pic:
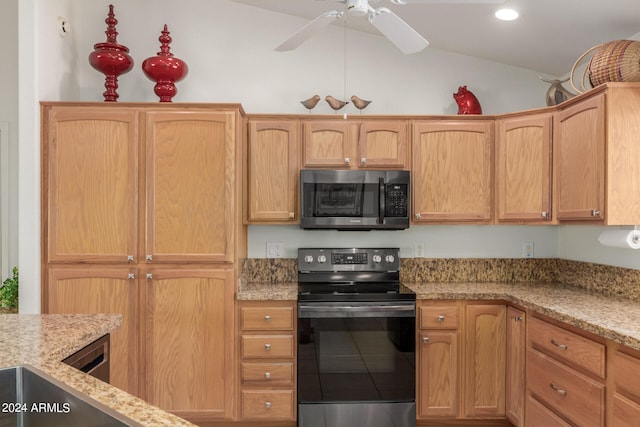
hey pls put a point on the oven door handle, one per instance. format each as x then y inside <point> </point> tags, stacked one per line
<point>353,310</point>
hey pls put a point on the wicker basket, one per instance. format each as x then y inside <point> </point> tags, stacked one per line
<point>616,61</point>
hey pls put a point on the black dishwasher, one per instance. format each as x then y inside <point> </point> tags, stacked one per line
<point>93,359</point>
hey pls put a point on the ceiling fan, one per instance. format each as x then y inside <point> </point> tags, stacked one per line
<point>401,34</point>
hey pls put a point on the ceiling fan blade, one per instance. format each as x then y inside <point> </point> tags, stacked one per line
<point>397,31</point>
<point>306,32</point>
<point>403,2</point>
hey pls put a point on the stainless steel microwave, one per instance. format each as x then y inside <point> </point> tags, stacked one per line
<point>354,200</point>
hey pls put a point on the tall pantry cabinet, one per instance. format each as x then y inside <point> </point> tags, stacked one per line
<point>141,216</point>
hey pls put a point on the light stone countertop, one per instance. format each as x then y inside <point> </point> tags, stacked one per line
<point>42,341</point>
<point>614,318</point>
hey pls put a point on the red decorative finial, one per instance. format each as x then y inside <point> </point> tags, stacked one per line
<point>111,58</point>
<point>165,69</point>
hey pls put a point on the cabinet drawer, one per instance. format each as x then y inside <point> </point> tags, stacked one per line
<point>626,373</point>
<point>267,346</point>
<point>438,316</point>
<point>573,348</point>
<point>266,318</point>
<point>277,374</point>
<point>267,404</point>
<point>540,415</point>
<point>570,393</point>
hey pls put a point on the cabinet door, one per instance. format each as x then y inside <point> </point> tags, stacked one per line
<point>189,341</point>
<point>452,171</point>
<point>579,153</point>
<point>438,374</point>
<point>327,144</point>
<point>102,290</point>
<point>273,171</point>
<point>90,161</point>
<point>516,350</point>
<point>523,168</point>
<point>190,186</point>
<point>484,375</point>
<point>383,144</point>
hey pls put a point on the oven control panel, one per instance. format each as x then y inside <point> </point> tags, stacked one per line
<point>349,259</point>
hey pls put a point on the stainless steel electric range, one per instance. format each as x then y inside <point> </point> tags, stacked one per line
<point>356,339</point>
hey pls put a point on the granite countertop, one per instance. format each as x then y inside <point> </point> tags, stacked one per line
<point>43,341</point>
<point>614,318</point>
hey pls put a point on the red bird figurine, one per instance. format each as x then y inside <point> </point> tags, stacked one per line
<point>467,101</point>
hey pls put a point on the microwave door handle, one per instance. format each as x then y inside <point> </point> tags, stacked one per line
<point>381,201</point>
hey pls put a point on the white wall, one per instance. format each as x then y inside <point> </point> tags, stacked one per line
<point>228,48</point>
<point>9,120</point>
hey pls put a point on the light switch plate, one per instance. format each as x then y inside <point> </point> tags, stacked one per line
<point>527,250</point>
<point>418,249</point>
<point>275,249</point>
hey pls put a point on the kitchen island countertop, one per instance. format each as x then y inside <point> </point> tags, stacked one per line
<point>614,318</point>
<point>42,341</point>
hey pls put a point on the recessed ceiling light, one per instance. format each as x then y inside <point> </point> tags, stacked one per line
<point>506,14</point>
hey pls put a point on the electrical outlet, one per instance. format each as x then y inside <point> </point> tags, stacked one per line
<point>418,249</point>
<point>527,250</point>
<point>275,249</point>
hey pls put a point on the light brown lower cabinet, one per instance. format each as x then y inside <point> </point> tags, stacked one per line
<point>189,334</point>
<point>625,383</point>
<point>461,360</point>
<point>267,347</point>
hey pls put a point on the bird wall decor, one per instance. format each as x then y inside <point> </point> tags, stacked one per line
<point>334,103</point>
<point>359,103</point>
<point>311,102</point>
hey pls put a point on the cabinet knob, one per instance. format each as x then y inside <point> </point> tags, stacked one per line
<point>149,276</point>
<point>560,346</point>
<point>149,257</point>
<point>560,391</point>
<point>292,215</point>
<point>131,276</point>
<point>347,160</point>
<point>267,375</point>
<point>267,405</point>
<point>267,347</point>
<point>425,340</point>
<point>130,258</point>
<point>267,318</point>
<point>363,160</point>
<point>518,318</point>
<point>544,215</point>
<point>595,212</point>
<point>418,216</point>
<point>441,318</point>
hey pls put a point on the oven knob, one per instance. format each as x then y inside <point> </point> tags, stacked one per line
<point>322,259</point>
<point>389,258</point>
<point>377,258</point>
<point>308,259</point>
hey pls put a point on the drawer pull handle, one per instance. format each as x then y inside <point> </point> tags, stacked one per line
<point>267,318</point>
<point>425,340</point>
<point>267,405</point>
<point>560,346</point>
<point>441,318</point>
<point>267,347</point>
<point>560,391</point>
<point>267,375</point>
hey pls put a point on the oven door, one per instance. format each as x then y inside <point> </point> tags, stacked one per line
<point>356,364</point>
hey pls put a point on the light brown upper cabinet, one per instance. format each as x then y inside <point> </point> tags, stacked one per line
<point>523,168</point>
<point>345,144</point>
<point>452,164</point>
<point>273,159</point>
<point>190,194</point>
<point>596,156</point>
<point>90,158</point>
